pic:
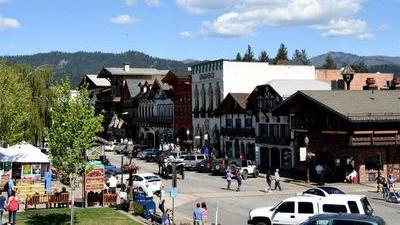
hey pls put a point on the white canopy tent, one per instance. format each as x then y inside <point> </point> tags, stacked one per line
<point>23,153</point>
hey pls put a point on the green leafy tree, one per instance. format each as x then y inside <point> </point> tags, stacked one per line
<point>74,127</point>
<point>300,57</point>
<point>360,67</point>
<point>329,63</point>
<point>238,57</point>
<point>14,105</point>
<point>281,56</point>
<point>249,55</point>
<point>263,57</point>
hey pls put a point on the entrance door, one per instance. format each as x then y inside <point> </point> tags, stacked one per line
<point>275,159</point>
<point>264,154</point>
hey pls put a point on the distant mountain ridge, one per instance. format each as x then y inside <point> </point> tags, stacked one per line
<point>390,64</point>
<point>77,64</point>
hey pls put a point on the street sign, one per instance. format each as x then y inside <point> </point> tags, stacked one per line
<point>173,192</point>
<point>303,154</point>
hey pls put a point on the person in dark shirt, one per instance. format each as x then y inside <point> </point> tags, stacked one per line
<point>2,206</point>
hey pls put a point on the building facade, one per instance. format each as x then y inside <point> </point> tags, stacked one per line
<point>213,80</point>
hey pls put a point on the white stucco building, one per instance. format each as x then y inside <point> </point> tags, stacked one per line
<point>213,80</point>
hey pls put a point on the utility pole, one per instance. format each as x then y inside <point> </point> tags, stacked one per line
<point>122,170</point>
<point>173,190</point>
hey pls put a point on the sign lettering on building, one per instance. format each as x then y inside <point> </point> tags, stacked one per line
<point>206,76</point>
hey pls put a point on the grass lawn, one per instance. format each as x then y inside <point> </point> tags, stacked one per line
<point>88,216</point>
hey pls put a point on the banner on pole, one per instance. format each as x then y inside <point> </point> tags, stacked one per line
<point>303,154</point>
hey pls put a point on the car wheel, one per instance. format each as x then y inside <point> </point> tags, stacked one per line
<point>245,174</point>
<point>255,174</point>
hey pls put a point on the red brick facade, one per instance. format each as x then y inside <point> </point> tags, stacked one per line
<point>335,76</point>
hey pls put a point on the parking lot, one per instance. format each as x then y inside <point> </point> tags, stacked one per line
<point>233,207</point>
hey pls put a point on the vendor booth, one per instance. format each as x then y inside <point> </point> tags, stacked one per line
<point>24,161</point>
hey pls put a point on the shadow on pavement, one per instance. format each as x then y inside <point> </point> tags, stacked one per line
<point>49,219</point>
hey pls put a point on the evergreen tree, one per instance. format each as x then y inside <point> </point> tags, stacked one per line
<point>360,67</point>
<point>238,57</point>
<point>300,57</point>
<point>249,55</point>
<point>263,57</point>
<point>329,63</point>
<point>281,56</point>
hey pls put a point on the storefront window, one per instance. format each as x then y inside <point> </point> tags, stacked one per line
<point>286,158</point>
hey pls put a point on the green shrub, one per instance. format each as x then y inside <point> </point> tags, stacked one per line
<point>137,208</point>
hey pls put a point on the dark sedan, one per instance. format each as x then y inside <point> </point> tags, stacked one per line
<point>344,219</point>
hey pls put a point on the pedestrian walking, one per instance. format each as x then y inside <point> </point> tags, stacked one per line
<point>2,206</point>
<point>13,207</point>
<point>391,182</point>
<point>379,181</point>
<point>204,213</point>
<point>166,218</point>
<point>277,180</point>
<point>228,178</point>
<point>162,199</point>
<point>197,215</point>
<point>182,171</point>
<point>385,189</point>
<point>268,178</point>
<point>319,169</point>
<point>112,183</point>
<point>10,187</point>
<point>239,179</point>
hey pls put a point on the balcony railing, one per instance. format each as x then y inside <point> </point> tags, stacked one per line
<point>273,140</point>
<point>238,132</point>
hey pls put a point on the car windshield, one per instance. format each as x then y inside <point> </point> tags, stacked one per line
<point>331,190</point>
<point>367,207</point>
<point>152,178</point>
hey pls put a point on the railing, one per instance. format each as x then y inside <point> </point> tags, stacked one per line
<point>273,140</point>
<point>377,140</point>
<point>238,132</point>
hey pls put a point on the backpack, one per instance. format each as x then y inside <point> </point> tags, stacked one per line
<point>13,205</point>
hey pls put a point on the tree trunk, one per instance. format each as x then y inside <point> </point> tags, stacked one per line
<point>72,186</point>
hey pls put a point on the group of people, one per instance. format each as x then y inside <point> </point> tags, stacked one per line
<point>10,204</point>
<point>200,214</point>
<point>385,185</point>
<point>233,173</point>
<point>269,180</point>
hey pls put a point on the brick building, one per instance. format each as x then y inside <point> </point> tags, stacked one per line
<point>334,77</point>
<point>347,129</point>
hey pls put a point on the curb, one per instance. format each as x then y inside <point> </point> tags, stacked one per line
<point>140,221</point>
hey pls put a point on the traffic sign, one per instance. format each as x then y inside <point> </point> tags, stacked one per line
<point>174,191</point>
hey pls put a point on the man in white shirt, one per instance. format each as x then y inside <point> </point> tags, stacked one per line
<point>112,181</point>
<point>162,199</point>
<point>277,180</point>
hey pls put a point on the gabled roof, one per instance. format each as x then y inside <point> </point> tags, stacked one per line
<point>240,98</point>
<point>355,106</point>
<point>98,82</point>
<point>286,88</point>
<point>134,71</point>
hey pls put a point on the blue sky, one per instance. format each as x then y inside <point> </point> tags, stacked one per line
<point>200,29</point>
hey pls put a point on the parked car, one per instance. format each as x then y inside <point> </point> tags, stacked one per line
<point>144,153</point>
<point>246,167</point>
<point>147,182</point>
<point>190,161</point>
<point>111,169</point>
<point>137,149</point>
<point>338,219</point>
<point>393,197</point>
<point>205,166</point>
<point>152,156</point>
<point>323,191</point>
<point>298,209</point>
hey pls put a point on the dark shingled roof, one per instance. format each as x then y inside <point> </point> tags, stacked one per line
<point>359,106</point>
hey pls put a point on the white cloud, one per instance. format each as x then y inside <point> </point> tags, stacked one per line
<point>153,2</point>
<point>333,17</point>
<point>124,19</point>
<point>201,6</point>
<point>130,2</point>
<point>8,23</point>
<point>3,1</point>
<point>185,34</point>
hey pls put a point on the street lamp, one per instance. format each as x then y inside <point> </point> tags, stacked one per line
<point>187,133</point>
<point>205,139</point>
<point>307,141</point>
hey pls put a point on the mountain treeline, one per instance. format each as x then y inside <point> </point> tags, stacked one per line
<point>77,64</point>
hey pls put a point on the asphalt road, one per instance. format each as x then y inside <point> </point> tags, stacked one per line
<point>233,207</point>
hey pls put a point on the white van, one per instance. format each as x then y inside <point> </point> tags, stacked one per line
<point>296,210</point>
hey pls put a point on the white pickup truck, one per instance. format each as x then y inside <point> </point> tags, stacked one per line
<point>296,210</point>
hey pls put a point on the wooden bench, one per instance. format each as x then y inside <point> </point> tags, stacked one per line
<point>36,199</point>
<point>109,199</point>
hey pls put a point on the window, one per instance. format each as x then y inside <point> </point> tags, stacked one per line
<point>190,157</point>
<point>353,207</point>
<point>349,222</point>
<point>248,122</point>
<point>331,208</point>
<point>366,206</point>
<point>217,95</point>
<point>210,97</point>
<point>315,192</point>
<point>196,98</point>
<point>200,157</point>
<point>306,207</point>
<point>238,123</point>
<point>228,122</point>
<point>203,97</point>
<point>286,207</point>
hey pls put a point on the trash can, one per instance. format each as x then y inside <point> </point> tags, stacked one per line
<point>149,208</point>
<point>140,197</point>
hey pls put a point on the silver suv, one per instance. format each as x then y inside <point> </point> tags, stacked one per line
<point>190,161</point>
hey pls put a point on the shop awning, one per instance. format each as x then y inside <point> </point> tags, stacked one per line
<point>23,153</point>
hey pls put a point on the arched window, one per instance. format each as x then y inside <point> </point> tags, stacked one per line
<point>203,97</point>
<point>196,97</point>
<point>210,97</point>
<point>217,95</point>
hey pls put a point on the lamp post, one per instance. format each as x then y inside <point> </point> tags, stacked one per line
<point>307,141</point>
<point>187,134</point>
<point>205,139</point>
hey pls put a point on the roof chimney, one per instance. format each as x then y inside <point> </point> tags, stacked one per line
<point>126,66</point>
